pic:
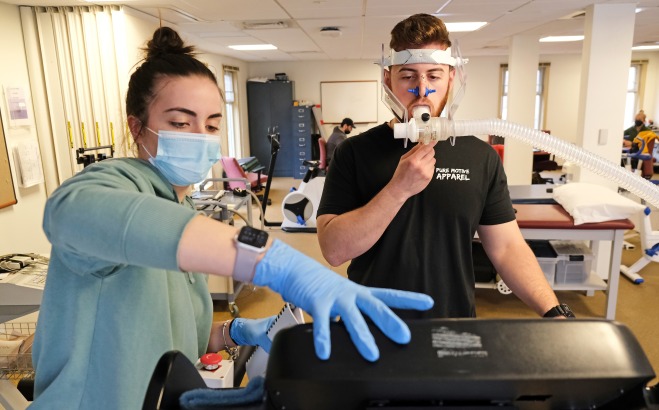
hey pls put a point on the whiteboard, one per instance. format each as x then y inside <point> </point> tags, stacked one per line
<point>357,100</point>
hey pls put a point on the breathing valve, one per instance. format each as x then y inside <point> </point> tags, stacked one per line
<point>422,127</point>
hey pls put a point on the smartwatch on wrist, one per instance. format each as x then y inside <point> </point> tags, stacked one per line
<point>560,310</point>
<point>250,243</point>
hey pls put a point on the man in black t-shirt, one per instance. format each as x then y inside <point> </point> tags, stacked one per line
<point>406,217</point>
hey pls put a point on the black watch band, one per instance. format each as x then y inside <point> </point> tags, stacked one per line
<point>560,310</point>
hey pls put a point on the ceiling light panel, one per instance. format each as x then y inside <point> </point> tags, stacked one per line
<point>288,39</point>
<point>646,48</point>
<point>260,56</point>
<point>252,47</point>
<point>228,41</point>
<point>461,27</point>
<point>561,39</point>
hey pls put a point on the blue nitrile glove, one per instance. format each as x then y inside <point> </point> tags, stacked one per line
<point>251,332</point>
<point>324,294</point>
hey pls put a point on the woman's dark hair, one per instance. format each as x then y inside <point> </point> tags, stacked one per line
<point>419,30</point>
<point>166,55</point>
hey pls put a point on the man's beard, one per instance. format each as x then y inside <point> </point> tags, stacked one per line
<point>442,104</point>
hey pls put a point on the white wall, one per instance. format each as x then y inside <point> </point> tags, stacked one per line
<point>216,62</point>
<point>20,224</point>
<point>481,100</point>
<point>563,96</point>
<point>307,76</point>
<point>650,101</point>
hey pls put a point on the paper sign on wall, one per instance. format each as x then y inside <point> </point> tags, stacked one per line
<point>28,162</point>
<point>18,105</point>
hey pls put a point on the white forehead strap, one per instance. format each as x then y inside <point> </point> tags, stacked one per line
<point>423,56</point>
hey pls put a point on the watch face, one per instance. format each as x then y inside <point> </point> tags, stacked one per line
<point>253,237</point>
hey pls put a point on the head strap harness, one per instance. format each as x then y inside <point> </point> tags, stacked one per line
<point>423,56</point>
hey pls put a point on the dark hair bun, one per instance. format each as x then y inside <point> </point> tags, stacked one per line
<point>166,41</point>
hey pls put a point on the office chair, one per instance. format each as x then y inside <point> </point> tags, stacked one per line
<point>643,156</point>
<point>499,148</point>
<point>322,147</point>
<point>234,170</point>
<point>645,139</point>
<point>319,166</point>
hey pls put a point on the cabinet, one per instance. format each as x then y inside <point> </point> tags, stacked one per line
<point>269,108</point>
<point>302,141</point>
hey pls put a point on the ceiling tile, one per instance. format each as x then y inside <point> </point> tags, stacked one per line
<point>212,25</point>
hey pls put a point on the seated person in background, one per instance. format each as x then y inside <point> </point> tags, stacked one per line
<point>645,141</point>
<point>630,134</point>
<point>339,135</point>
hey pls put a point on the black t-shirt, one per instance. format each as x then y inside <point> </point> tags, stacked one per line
<point>427,246</point>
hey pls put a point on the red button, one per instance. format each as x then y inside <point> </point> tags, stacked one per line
<point>211,359</point>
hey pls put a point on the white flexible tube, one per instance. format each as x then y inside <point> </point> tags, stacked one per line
<point>440,129</point>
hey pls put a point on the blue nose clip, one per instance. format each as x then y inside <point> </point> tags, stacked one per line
<point>415,91</point>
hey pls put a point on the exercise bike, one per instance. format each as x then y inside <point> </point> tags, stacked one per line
<point>273,137</point>
<point>300,206</point>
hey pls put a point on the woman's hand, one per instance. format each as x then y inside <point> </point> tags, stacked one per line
<point>324,294</point>
<point>251,332</point>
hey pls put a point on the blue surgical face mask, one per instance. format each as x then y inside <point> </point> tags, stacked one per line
<point>185,158</point>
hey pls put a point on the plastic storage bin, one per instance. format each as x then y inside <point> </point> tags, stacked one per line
<point>546,256</point>
<point>574,261</point>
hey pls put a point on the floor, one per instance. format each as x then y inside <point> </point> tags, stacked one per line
<point>636,303</point>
